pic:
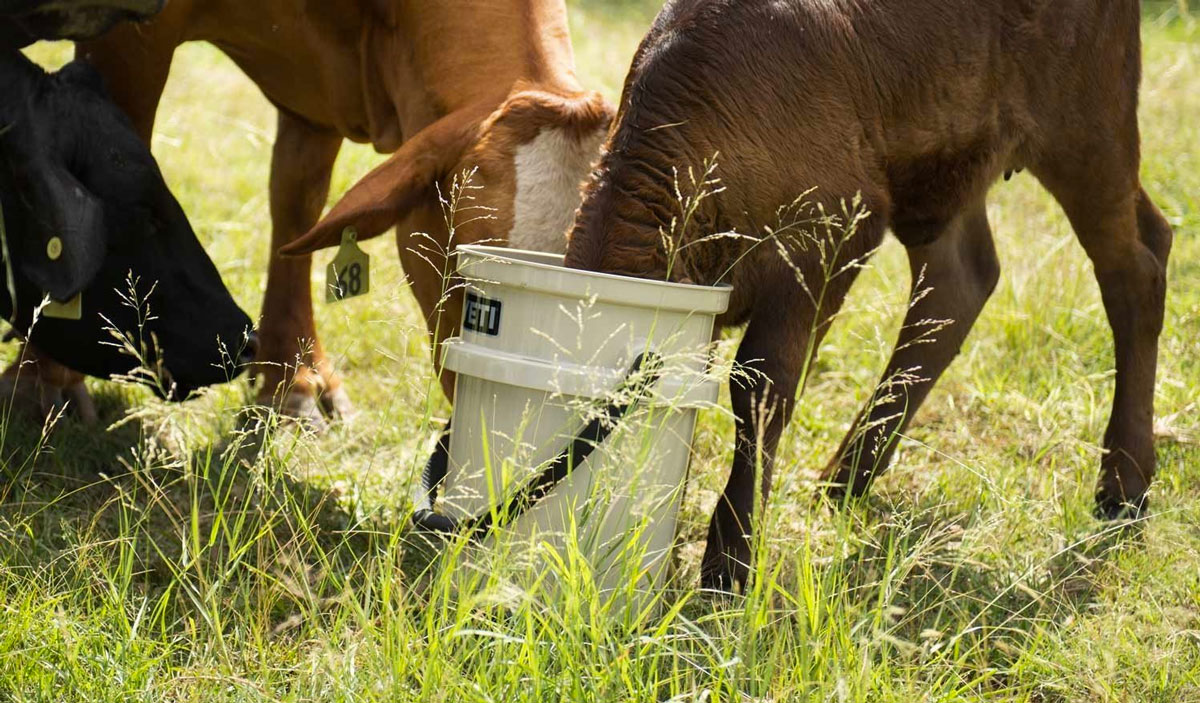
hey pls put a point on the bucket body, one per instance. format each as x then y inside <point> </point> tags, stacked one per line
<point>544,351</point>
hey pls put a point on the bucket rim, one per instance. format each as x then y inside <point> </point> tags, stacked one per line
<point>715,298</point>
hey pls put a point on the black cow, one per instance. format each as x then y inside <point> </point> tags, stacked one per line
<point>86,211</point>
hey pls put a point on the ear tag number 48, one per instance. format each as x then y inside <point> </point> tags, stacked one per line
<point>349,274</point>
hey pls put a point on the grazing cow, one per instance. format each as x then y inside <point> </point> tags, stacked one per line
<point>917,107</point>
<point>86,212</point>
<point>447,86</point>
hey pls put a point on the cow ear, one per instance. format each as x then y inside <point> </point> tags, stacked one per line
<point>377,202</point>
<point>582,114</point>
<point>64,246</point>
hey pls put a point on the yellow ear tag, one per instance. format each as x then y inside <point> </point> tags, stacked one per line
<point>349,274</point>
<point>54,248</point>
<point>70,310</point>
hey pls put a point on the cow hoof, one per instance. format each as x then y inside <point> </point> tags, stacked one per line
<point>312,411</point>
<point>303,400</point>
<point>337,405</point>
<point>1114,509</point>
<point>302,408</point>
<point>716,580</point>
<point>722,573</point>
<point>79,401</point>
<point>39,399</point>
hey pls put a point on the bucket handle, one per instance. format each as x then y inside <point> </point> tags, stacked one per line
<point>634,387</point>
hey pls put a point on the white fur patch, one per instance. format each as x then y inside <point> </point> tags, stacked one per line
<point>550,170</point>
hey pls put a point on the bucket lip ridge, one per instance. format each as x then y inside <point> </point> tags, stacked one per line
<point>716,296</point>
<point>682,388</point>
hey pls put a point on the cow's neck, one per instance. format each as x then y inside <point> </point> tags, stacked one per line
<point>443,56</point>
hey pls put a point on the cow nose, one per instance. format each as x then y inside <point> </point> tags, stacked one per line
<point>250,349</point>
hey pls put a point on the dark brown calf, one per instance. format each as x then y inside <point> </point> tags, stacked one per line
<point>918,107</point>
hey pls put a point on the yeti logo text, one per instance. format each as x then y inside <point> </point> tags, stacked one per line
<point>482,315</point>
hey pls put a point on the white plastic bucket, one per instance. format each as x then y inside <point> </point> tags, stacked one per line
<point>552,362</point>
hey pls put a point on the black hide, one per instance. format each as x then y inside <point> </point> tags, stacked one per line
<point>72,168</point>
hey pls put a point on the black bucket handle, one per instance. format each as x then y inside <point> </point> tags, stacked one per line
<point>426,519</point>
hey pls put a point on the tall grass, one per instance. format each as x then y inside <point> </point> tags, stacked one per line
<point>202,552</point>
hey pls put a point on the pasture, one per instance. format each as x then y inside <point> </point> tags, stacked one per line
<point>210,553</point>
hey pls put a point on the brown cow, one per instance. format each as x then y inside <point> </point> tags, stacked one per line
<point>447,86</point>
<point>918,107</point>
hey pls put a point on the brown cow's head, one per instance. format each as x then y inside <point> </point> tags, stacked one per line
<point>529,156</point>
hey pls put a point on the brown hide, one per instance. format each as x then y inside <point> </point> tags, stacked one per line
<point>446,86</point>
<point>917,107</point>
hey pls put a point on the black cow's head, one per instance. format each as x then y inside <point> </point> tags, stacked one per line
<point>25,21</point>
<point>87,211</point>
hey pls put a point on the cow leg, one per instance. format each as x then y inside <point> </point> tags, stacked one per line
<point>1129,250</point>
<point>952,279</point>
<point>1128,241</point>
<point>770,361</point>
<point>135,61</point>
<point>785,331</point>
<point>37,384</point>
<point>444,317</point>
<point>292,365</point>
<point>1134,293</point>
<point>428,265</point>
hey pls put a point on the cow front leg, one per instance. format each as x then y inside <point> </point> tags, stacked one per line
<point>780,342</point>
<point>426,253</point>
<point>296,377</point>
<point>762,393</point>
<point>786,329</point>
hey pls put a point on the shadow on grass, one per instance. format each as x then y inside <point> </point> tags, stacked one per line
<point>947,587</point>
<point>217,533</point>
<point>225,534</point>
<point>913,583</point>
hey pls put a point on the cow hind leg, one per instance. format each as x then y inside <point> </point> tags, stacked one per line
<point>1128,241</point>
<point>296,376</point>
<point>952,279</point>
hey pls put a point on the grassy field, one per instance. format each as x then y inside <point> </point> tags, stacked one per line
<point>186,553</point>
